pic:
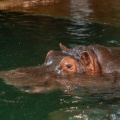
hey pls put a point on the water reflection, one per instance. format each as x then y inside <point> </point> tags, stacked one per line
<point>80,9</point>
<point>105,11</point>
<point>87,107</point>
<point>47,7</point>
<point>100,10</point>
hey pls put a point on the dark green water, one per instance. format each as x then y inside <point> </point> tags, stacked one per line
<point>24,41</point>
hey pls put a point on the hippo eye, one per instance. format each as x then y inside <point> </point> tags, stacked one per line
<point>69,66</point>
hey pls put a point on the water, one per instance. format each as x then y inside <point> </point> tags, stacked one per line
<point>26,37</point>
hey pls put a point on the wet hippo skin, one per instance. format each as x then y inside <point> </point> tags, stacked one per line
<point>92,66</point>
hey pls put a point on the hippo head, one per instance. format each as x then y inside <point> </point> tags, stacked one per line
<point>67,63</point>
<point>62,64</point>
<point>70,62</point>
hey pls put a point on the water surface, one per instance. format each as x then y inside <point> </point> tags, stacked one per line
<point>25,39</point>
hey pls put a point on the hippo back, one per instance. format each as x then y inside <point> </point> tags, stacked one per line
<point>108,58</point>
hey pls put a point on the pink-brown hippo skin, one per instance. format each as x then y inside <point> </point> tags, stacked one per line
<point>96,59</point>
<point>79,66</point>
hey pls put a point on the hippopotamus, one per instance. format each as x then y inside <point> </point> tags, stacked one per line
<point>76,66</point>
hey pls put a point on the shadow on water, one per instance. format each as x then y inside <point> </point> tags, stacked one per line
<point>25,39</point>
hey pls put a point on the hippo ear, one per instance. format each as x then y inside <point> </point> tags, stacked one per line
<point>86,58</point>
<point>64,48</point>
<point>90,63</point>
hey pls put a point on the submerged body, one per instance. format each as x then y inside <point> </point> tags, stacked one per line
<point>91,66</point>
